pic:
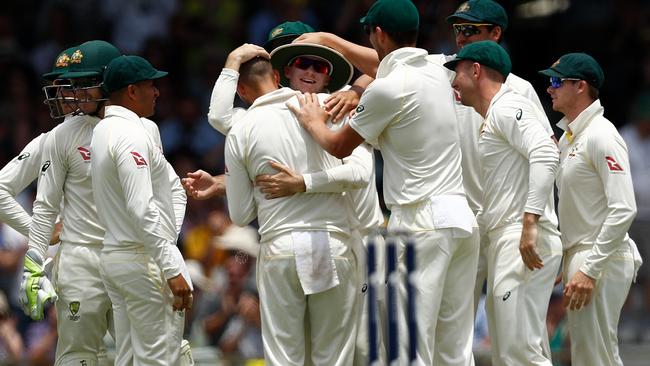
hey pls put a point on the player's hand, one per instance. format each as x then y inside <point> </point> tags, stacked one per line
<point>578,292</point>
<point>281,184</point>
<point>201,185</point>
<point>309,110</point>
<point>244,53</point>
<point>341,103</point>
<point>182,292</point>
<point>36,291</point>
<point>55,239</point>
<point>528,242</point>
<point>322,38</point>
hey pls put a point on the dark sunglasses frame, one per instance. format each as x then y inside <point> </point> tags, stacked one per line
<point>319,66</point>
<point>469,29</point>
<point>557,82</point>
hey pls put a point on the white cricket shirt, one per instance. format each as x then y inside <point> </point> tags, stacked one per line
<point>270,132</point>
<point>409,110</point>
<point>519,161</point>
<point>133,191</point>
<point>14,178</point>
<point>596,203</point>
<point>65,175</point>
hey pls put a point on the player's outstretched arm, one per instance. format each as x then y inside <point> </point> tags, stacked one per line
<point>363,58</point>
<point>201,185</point>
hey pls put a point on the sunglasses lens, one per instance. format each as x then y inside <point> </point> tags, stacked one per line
<point>466,30</point>
<point>556,82</point>
<point>304,63</point>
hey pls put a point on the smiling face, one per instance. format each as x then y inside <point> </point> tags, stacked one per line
<point>307,80</point>
<point>465,82</point>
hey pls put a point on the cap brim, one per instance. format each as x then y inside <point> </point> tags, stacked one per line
<point>342,69</point>
<point>279,41</point>
<point>159,74</point>
<point>364,20</point>
<point>551,73</point>
<point>464,16</point>
<point>78,74</point>
<point>50,76</point>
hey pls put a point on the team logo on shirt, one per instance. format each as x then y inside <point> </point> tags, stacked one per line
<point>360,108</point>
<point>506,296</point>
<point>45,166</point>
<point>23,156</point>
<point>139,160</point>
<point>364,288</point>
<point>85,154</point>
<point>518,115</point>
<point>613,165</point>
<point>73,307</point>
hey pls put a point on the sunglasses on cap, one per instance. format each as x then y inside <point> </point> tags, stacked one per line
<point>469,29</point>
<point>557,82</point>
<point>320,66</point>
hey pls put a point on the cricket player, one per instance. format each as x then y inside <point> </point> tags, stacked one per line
<point>481,20</point>
<point>596,207</point>
<point>409,110</point>
<point>306,270</point>
<point>304,70</point>
<point>142,269</point>
<point>518,161</point>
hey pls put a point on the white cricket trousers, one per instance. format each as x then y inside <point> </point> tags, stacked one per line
<point>331,315</point>
<point>147,329</point>
<point>593,329</point>
<point>445,274</point>
<point>517,298</point>
<point>83,309</point>
<point>361,353</point>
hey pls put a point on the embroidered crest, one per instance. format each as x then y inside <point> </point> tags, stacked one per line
<point>463,7</point>
<point>276,32</point>
<point>76,57</point>
<point>63,60</point>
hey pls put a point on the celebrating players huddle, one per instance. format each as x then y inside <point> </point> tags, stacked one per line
<point>470,161</point>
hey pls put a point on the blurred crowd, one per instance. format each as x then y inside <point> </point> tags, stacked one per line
<point>191,39</point>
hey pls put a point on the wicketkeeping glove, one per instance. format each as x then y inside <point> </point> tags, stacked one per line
<point>36,291</point>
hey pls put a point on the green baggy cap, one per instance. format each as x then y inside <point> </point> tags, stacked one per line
<point>487,53</point>
<point>90,59</point>
<point>577,66</point>
<point>126,70</point>
<point>393,16</point>
<point>481,11</point>
<point>61,64</point>
<point>285,33</point>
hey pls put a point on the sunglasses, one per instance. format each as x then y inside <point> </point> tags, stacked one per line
<point>320,66</point>
<point>557,82</point>
<point>469,29</point>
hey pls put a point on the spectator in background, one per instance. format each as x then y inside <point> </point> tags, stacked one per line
<point>12,249</point>
<point>11,343</point>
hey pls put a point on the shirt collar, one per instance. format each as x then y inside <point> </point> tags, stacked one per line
<point>503,90</point>
<point>276,96</point>
<point>400,56</point>
<point>119,111</point>
<point>582,121</point>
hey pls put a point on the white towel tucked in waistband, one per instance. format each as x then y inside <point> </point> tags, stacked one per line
<point>314,263</point>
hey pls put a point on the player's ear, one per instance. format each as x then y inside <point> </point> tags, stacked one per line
<point>276,77</point>
<point>132,91</point>
<point>496,33</point>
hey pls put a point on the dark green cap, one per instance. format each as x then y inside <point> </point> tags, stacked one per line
<point>393,16</point>
<point>487,53</point>
<point>577,66</point>
<point>60,64</point>
<point>90,59</point>
<point>126,70</point>
<point>286,33</point>
<point>481,11</point>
